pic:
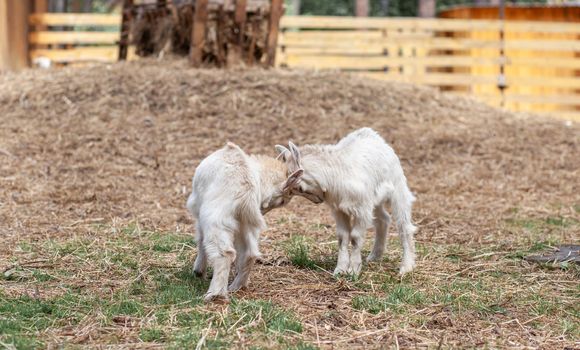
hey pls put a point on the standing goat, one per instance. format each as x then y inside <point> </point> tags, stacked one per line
<point>230,192</point>
<point>356,178</point>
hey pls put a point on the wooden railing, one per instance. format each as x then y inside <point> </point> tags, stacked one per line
<point>523,66</point>
<point>73,38</point>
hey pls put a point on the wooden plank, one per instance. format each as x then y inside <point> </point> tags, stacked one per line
<point>44,38</point>
<point>380,62</point>
<point>555,82</point>
<point>430,43</point>
<point>198,32</point>
<point>276,12</point>
<point>359,49</point>
<point>440,79</point>
<point>74,19</point>
<point>321,22</point>
<point>100,54</point>
<point>297,39</point>
<point>573,100</point>
<point>543,45</point>
<point>552,62</point>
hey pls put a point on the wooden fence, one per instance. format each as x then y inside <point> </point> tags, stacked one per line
<point>523,66</point>
<point>73,37</point>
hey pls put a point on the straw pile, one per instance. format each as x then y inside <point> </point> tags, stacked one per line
<point>120,143</point>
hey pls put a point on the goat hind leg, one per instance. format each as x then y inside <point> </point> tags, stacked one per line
<point>381,222</point>
<point>249,257</point>
<point>200,264</point>
<point>221,254</point>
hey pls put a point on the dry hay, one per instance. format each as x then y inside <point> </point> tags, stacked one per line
<point>118,144</point>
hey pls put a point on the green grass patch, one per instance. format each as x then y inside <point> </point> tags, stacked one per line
<point>170,242</point>
<point>397,299</point>
<point>150,335</point>
<point>298,252</point>
<point>273,318</point>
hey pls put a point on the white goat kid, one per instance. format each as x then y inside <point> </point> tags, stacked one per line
<point>230,192</point>
<point>356,178</point>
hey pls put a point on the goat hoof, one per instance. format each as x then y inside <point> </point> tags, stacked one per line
<point>217,298</point>
<point>199,274</point>
<point>405,269</point>
<point>234,288</point>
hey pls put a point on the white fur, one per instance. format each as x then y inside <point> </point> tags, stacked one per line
<point>356,177</point>
<point>230,192</point>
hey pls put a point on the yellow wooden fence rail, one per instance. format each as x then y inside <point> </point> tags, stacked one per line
<point>74,37</point>
<point>540,61</point>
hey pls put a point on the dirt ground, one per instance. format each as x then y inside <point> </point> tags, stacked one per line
<point>89,154</point>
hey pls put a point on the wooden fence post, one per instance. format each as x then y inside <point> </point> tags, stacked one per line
<point>125,21</point>
<point>198,33</point>
<point>240,19</point>
<point>14,34</point>
<point>273,27</point>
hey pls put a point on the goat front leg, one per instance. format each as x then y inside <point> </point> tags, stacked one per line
<point>357,238</point>
<point>246,260</point>
<point>343,229</point>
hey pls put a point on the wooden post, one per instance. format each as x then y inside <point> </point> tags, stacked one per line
<point>220,40</point>
<point>240,19</point>
<point>198,33</point>
<point>14,34</point>
<point>255,29</point>
<point>125,24</point>
<point>273,26</point>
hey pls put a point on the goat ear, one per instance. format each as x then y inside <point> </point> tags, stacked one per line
<point>283,152</point>
<point>295,153</point>
<point>292,180</point>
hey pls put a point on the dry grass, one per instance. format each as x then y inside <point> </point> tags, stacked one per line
<point>95,166</point>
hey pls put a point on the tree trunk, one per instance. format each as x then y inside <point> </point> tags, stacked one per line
<point>427,8</point>
<point>362,8</point>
